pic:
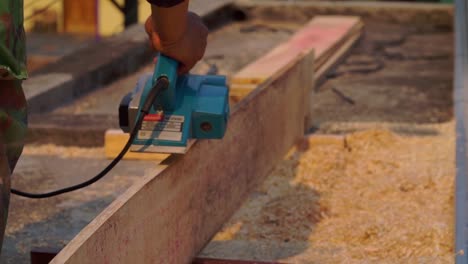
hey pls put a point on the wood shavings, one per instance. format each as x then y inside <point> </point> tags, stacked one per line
<point>372,195</point>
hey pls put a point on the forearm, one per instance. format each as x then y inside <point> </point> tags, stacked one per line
<point>170,22</point>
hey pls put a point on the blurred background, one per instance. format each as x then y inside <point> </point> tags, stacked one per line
<point>56,28</point>
<point>92,17</point>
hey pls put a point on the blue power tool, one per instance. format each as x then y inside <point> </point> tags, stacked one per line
<point>164,114</point>
<point>189,107</point>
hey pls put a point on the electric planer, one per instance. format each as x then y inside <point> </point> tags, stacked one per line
<point>189,107</point>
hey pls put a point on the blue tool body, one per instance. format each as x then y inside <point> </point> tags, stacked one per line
<point>192,107</point>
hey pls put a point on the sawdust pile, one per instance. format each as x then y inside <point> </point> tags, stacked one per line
<point>369,196</point>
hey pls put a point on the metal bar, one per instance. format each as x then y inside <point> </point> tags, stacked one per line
<point>461,113</point>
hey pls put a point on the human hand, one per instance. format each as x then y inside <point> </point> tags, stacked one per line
<point>188,49</point>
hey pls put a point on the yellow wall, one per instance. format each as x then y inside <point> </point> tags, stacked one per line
<point>110,18</point>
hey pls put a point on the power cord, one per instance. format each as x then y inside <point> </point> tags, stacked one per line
<point>161,85</point>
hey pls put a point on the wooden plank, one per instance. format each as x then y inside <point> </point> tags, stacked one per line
<point>335,59</point>
<point>330,37</point>
<point>170,216</point>
<point>323,34</point>
<point>115,141</point>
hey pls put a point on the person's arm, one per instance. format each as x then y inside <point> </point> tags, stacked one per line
<point>176,32</point>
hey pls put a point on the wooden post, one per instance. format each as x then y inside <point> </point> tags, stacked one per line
<point>80,16</point>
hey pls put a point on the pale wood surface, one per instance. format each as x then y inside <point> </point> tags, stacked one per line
<point>337,56</point>
<point>323,34</point>
<point>170,216</point>
<point>114,142</point>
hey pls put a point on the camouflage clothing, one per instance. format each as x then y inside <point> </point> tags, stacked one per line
<point>13,119</point>
<point>12,71</point>
<point>12,40</point>
<point>12,99</point>
<point>12,134</point>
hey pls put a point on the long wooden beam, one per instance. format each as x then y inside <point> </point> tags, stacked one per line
<point>169,216</point>
<point>323,34</point>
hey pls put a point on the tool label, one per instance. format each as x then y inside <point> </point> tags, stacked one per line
<point>169,129</point>
<point>174,118</point>
<point>170,136</point>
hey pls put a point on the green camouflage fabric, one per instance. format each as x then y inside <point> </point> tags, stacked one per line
<point>12,40</point>
<point>13,120</point>
<point>13,117</point>
<point>12,71</point>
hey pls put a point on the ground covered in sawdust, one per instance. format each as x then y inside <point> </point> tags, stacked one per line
<point>369,196</point>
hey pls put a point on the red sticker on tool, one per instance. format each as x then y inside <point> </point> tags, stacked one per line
<point>154,117</point>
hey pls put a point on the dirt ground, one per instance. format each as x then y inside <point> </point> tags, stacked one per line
<point>396,74</point>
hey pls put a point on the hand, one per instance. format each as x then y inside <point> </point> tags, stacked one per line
<point>188,49</point>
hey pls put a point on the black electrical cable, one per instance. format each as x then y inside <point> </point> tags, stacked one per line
<point>161,84</point>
